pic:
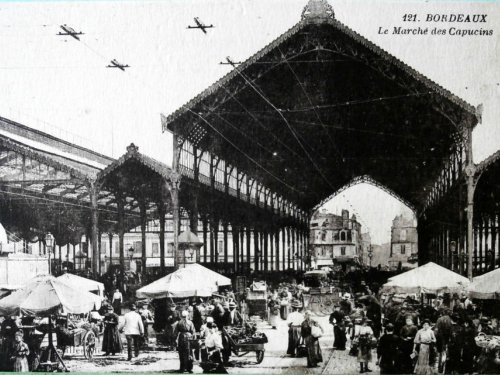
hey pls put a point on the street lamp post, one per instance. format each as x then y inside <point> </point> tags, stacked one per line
<point>454,255</point>
<point>370,255</point>
<point>49,242</point>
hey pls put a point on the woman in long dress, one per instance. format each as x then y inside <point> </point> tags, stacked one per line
<point>314,355</point>
<point>364,338</point>
<point>274,311</point>
<point>18,353</point>
<point>425,339</point>
<point>111,342</point>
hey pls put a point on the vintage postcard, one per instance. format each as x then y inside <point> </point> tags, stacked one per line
<point>250,186</point>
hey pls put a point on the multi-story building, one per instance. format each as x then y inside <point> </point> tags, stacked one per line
<point>334,240</point>
<point>404,243</point>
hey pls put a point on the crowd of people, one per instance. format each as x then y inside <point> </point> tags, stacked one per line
<point>407,334</point>
<point>415,337</point>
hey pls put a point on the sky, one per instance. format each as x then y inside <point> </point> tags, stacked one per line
<point>61,86</point>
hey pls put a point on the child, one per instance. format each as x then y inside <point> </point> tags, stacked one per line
<point>18,353</point>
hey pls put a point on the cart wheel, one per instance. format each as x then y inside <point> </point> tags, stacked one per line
<point>259,354</point>
<point>89,345</point>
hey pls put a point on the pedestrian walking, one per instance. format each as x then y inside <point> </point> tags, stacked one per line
<point>111,341</point>
<point>147,320</point>
<point>424,341</point>
<point>18,353</point>
<point>284,302</point>
<point>469,349</point>
<point>337,320</point>
<point>295,320</point>
<point>455,346</point>
<point>117,301</point>
<point>364,339</point>
<point>311,331</point>
<point>407,335</point>
<point>274,311</point>
<point>133,329</point>
<point>173,317</point>
<point>184,331</point>
<point>387,351</point>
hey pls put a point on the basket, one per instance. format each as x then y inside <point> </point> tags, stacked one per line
<point>486,341</point>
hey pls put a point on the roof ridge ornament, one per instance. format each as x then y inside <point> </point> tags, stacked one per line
<point>132,149</point>
<point>318,10</point>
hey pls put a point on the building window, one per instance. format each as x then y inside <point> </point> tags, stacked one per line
<point>403,235</point>
<point>342,250</point>
<point>116,250</point>
<point>323,236</point>
<point>170,249</point>
<point>156,248</point>
<point>342,236</point>
<point>137,247</point>
<point>403,249</point>
<point>349,236</point>
<point>103,247</point>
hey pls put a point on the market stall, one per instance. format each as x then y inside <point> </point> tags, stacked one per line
<point>429,278</point>
<point>194,280</point>
<point>486,286</point>
<point>46,296</point>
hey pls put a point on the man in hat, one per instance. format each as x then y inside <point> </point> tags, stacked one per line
<point>337,320</point>
<point>455,346</point>
<point>443,330</point>
<point>184,331</point>
<point>387,351</point>
<point>295,319</point>
<point>486,326</point>
<point>345,304</point>
<point>218,314</point>
<point>407,335</point>
<point>232,317</point>
<point>133,329</point>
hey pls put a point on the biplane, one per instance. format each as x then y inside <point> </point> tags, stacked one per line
<point>200,25</point>
<point>69,31</point>
<point>115,64</point>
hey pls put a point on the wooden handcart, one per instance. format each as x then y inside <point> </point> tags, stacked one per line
<point>242,349</point>
<point>79,337</point>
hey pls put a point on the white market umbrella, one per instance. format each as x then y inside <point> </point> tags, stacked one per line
<point>82,283</point>
<point>192,281</point>
<point>429,278</point>
<point>486,286</point>
<point>45,295</point>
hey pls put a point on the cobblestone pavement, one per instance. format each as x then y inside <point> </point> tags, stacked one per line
<point>275,360</point>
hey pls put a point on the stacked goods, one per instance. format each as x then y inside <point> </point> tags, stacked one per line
<point>487,342</point>
<point>247,334</point>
